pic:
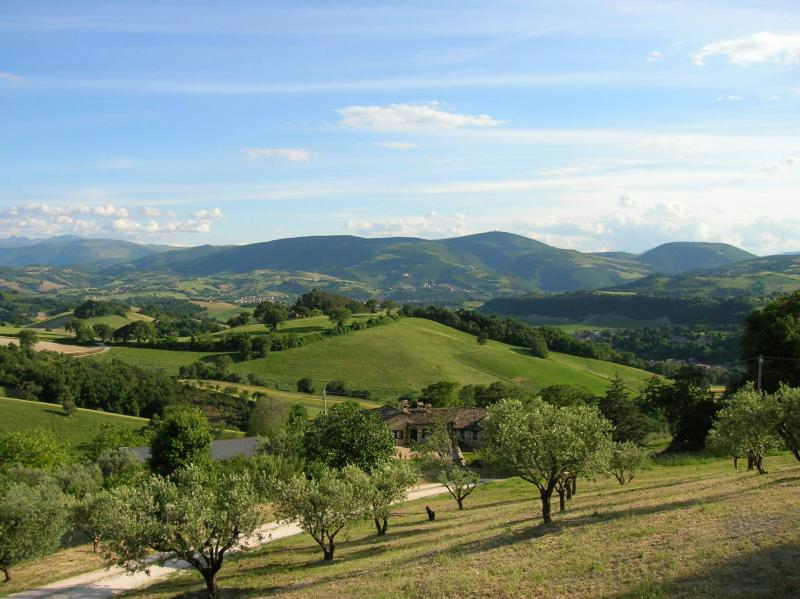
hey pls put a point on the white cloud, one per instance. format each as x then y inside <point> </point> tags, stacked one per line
<point>5,76</point>
<point>110,211</point>
<point>213,214</point>
<point>429,225</point>
<point>654,56</point>
<point>790,163</point>
<point>765,46</point>
<point>290,154</point>
<point>125,224</point>
<point>395,145</point>
<point>410,117</point>
<point>728,98</point>
<point>148,211</point>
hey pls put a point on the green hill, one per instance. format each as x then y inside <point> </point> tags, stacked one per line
<point>76,251</point>
<point>683,256</point>
<point>618,309</point>
<point>405,356</point>
<point>757,277</point>
<point>482,263</point>
<point>74,432</point>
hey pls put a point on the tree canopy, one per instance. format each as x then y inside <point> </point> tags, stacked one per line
<point>544,444</point>
<point>197,514</point>
<point>774,331</point>
<point>348,434</point>
<point>183,437</point>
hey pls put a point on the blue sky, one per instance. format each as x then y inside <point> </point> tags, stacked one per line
<point>589,125</point>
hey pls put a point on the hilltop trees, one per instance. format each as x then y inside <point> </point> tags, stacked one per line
<point>32,520</point>
<point>545,444</point>
<point>271,314</point>
<point>196,515</point>
<point>339,316</point>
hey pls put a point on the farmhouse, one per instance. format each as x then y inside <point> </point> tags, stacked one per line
<point>414,425</point>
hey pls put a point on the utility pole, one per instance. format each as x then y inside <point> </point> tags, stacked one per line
<point>325,398</point>
<point>760,370</point>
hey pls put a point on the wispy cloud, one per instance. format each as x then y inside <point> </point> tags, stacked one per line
<point>765,46</point>
<point>429,225</point>
<point>654,56</point>
<point>290,154</point>
<point>411,117</point>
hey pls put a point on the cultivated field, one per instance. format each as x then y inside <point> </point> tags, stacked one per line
<point>61,348</point>
<point>697,530</point>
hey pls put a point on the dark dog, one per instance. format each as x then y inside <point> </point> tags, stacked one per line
<point>431,513</point>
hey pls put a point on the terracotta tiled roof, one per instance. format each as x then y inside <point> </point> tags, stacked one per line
<point>455,417</point>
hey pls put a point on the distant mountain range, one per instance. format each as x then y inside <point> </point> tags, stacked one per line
<point>479,266</point>
<point>71,251</point>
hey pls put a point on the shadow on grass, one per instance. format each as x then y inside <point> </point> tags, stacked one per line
<point>769,572</point>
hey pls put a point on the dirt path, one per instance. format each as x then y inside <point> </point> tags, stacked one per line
<point>72,350</point>
<point>109,582</point>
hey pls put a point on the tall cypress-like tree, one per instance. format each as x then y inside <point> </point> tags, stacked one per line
<point>616,405</point>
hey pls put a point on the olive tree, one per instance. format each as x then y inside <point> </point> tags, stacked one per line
<point>627,459</point>
<point>745,427</point>
<point>459,482</point>
<point>32,521</point>
<point>88,514</point>
<point>784,410</point>
<point>195,515</point>
<point>325,504</point>
<point>542,443</point>
<point>389,484</point>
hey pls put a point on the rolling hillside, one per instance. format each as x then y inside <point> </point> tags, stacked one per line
<point>678,257</point>
<point>74,432</point>
<point>75,251</point>
<point>756,277</point>
<point>405,356</point>
<point>485,263</point>
<point>469,268</point>
<point>603,309</point>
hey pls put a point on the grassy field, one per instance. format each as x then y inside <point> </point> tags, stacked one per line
<point>57,323</point>
<point>303,326</point>
<point>18,414</point>
<point>412,353</point>
<point>222,311</point>
<point>313,403</point>
<point>405,356</point>
<point>699,530</point>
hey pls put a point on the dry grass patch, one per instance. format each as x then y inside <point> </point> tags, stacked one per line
<point>683,531</point>
<point>64,564</point>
